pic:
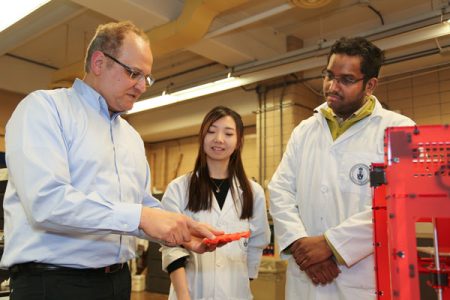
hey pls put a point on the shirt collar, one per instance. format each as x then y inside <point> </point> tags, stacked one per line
<point>365,110</point>
<point>93,98</point>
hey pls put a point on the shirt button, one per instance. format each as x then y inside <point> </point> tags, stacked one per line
<point>125,226</point>
<point>324,189</point>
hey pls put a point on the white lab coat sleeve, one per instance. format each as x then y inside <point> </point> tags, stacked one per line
<point>283,188</point>
<point>260,231</point>
<point>353,238</point>
<point>171,254</point>
<point>174,200</point>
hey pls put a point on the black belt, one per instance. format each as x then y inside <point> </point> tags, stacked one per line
<point>40,267</point>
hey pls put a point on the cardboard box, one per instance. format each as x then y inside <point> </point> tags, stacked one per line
<point>271,280</point>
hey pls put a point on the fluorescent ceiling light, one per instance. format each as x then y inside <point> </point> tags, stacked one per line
<point>12,11</point>
<point>190,93</point>
<point>227,84</point>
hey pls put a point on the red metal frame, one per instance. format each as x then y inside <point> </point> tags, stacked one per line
<point>416,187</point>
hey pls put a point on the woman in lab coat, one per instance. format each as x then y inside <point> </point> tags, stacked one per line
<point>218,192</point>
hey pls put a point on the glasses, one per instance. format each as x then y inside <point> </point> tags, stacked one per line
<point>345,80</point>
<point>134,74</point>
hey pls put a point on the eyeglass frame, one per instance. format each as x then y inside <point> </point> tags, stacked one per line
<point>326,76</point>
<point>134,74</point>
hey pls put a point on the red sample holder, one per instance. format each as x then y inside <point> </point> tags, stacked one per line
<point>413,185</point>
<point>226,238</point>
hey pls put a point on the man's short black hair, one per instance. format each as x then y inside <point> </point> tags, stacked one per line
<point>372,57</point>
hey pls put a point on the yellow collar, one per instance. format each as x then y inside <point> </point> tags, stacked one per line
<point>338,125</point>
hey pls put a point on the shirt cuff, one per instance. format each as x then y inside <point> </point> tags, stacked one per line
<point>127,217</point>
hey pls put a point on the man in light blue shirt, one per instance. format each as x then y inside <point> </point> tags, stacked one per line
<point>78,189</point>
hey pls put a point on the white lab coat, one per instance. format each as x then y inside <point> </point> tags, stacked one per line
<point>224,273</point>
<point>322,187</point>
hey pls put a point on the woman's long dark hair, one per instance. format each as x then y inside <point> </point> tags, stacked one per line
<point>200,192</point>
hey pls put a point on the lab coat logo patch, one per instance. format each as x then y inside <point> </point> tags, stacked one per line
<point>359,174</point>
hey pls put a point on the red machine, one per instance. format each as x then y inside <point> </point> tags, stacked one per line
<point>412,186</point>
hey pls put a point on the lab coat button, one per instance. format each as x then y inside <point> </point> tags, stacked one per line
<point>324,189</point>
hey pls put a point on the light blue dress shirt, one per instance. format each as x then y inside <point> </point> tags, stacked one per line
<point>77,181</point>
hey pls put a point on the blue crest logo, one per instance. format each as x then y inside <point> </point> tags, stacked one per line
<point>359,174</point>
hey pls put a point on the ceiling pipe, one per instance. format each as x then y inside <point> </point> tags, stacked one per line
<point>253,19</point>
<point>191,25</point>
<point>267,14</point>
<point>310,3</point>
<point>314,57</point>
<point>378,33</point>
<point>408,31</point>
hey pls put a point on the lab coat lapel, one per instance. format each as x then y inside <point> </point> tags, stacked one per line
<point>357,127</point>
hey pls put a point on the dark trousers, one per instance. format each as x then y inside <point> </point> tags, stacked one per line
<point>71,285</point>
